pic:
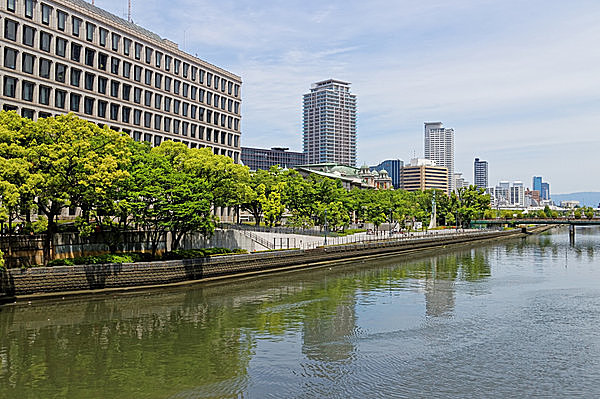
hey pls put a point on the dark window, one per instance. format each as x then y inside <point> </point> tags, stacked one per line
<point>137,73</point>
<point>148,55</point>
<point>193,129</point>
<point>62,19</point>
<point>137,136</point>
<point>193,110</point>
<point>114,88</point>
<point>184,109</point>
<point>10,30</point>
<point>201,98</point>
<point>42,115</point>
<point>158,80</point>
<point>89,81</point>
<point>10,58</point>
<point>114,65</point>
<point>186,68</point>
<point>88,106</point>
<point>216,82</point>
<point>102,83</point>
<point>44,96</point>
<point>176,104</point>
<point>186,89</point>
<point>148,79</point>
<point>102,109</point>
<point>176,126</point>
<point>125,114</point>
<point>28,61</point>
<point>194,73</point>
<point>45,68</point>
<point>10,85</point>
<point>114,112</point>
<point>89,57</point>
<point>29,8</point>
<point>89,31</point>
<point>168,59</point>
<point>60,72</point>
<point>147,119</point>
<point>137,95</point>
<point>61,47</point>
<point>184,128</point>
<point>28,35</point>
<point>59,98</point>
<point>10,5</point>
<point>176,86</point>
<point>167,83</point>
<point>27,113</point>
<point>103,35</point>
<point>157,121</point>
<point>75,102</point>
<point>148,98</point>
<point>158,58</point>
<point>236,90</point>
<point>126,93</point>
<point>75,77</point>
<point>223,82</point>
<point>201,114</point>
<point>157,140</point>
<point>194,92</point>
<point>76,26</point>
<point>229,86</point>
<point>45,39</point>
<point>167,124</point>
<point>201,76</point>
<point>209,77</point>
<point>75,52</point>
<point>126,46</point>
<point>126,69</point>
<point>177,65</point>
<point>201,133</point>
<point>157,101</point>
<point>138,51</point>
<point>137,117</point>
<point>102,61</point>
<point>115,41</point>
<point>168,104</point>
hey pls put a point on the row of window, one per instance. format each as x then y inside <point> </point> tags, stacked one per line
<point>101,61</point>
<point>112,111</point>
<point>122,45</point>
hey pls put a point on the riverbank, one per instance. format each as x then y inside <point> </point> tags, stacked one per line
<point>44,282</point>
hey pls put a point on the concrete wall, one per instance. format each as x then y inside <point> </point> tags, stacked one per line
<point>16,282</point>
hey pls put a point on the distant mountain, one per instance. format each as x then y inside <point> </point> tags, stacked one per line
<point>584,198</point>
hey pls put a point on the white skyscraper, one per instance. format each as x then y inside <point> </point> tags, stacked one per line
<point>439,147</point>
<point>330,123</point>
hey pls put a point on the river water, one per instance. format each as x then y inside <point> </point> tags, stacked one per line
<point>519,319</point>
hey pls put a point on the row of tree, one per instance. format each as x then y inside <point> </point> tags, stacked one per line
<point>66,162</point>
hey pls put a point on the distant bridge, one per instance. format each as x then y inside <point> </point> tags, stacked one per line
<point>572,222</point>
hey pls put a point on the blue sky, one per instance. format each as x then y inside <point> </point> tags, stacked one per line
<point>517,80</point>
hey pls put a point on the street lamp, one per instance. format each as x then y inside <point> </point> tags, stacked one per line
<point>325,225</point>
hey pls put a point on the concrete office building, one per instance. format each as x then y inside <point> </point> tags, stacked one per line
<point>439,147</point>
<point>517,194</point>
<point>394,168</point>
<point>424,174</point>
<point>262,158</point>
<point>60,56</point>
<point>480,173</point>
<point>329,123</point>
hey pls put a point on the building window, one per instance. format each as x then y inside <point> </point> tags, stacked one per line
<point>102,83</point>
<point>10,85</point>
<point>236,90</point>
<point>201,114</point>
<point>186,89</point>
<point>59,98</point>
<point>193,129</point>
<point>89,57</point>
<point>126,46</point>
<point>158,58</point>
<point>201,132</point>
<point>209,77</point>
<point>137,117</point>
<point>168,60</point>
<point>168,104</point>
<point>114,65</point>
<point>176,126</point>
<point>27,113</point>
<point>157,121</point>
<point>147,119</point>
<point>27,64</point>
<point>229,87</point>
<point>193,110</point>
<point>138,51</point>
<point>114,112</point>
<point>193,92</point>
<point>102,109</point>
<point>88,106</point>
<point>126,93</point>
<point>89,81</point>
<point>184,128</point>
<point>148,98</point>
<point>89,31</point>
<point>148,55</point>
<point>10,5</point>
<point>60,72</point>
<point>115,41</point>
<point>201,97</point>
<point>114,88</point>
<point>75,52</point>
<point>158,80</point>
<point>29,8</point>
<point>44,95</point>
<point>75,77</point>
<point>62,20</point>
<point>167,83</point>
<point>75,100</point>
<point>186,68</point>
<point>126,69</point>
<point>177,65</point>
<point>184,109</point>
<point>102,61</point>
<point>176,86</point>
<point>45,68</point>
<point>76,25</point>
<point>61,47</point>
<point>167,124</point>
<point>148,79</point>
<point>103,36</point>
<point>137,95</point>
<point>157,140</point>
<point>10,58</point>
<point>137,73</point>
<point>176,104</point>
<point>125,114</point>
<point>45,39</point>
<point>28,35</point>
<point>157,101</point>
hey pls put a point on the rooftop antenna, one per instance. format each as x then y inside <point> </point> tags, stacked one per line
<point>92,2</point>
<point>128,10</point>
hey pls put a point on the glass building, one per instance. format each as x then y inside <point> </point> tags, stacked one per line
<point>262,158</point>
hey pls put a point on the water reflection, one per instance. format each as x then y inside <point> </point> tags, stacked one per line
<point>229,339</point>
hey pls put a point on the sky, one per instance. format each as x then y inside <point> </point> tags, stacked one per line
<point>517,80</point>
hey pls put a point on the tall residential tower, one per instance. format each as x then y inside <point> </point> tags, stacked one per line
<point>330,123</point>
<point>480,173</point>
<point>439,147</point>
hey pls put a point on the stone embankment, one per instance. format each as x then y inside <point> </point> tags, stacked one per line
<point>70,280</point>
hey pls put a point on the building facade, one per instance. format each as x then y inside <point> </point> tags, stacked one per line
<point>424,174</point>
<point>537,183</point>
<point>60,56</point>
<point>439,147</point>
<point>517,194</point>
<point>394,169</point>
<point>262,158</point>
<point>480,173</point>
<point>545,192</point>
<point>329,123</point>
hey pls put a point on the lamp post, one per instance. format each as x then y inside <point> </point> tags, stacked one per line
<point>325,225</point>
<point>391,216</point>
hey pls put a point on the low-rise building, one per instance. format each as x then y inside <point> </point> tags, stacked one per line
<point>424,174</point>
<point>262,158</point>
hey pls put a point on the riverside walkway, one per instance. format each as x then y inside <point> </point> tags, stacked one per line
<point>571,222</point>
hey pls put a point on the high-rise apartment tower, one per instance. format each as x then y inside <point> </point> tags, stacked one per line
<point>330,123</point>
<point>480,173</point>
<point>439,147</point>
